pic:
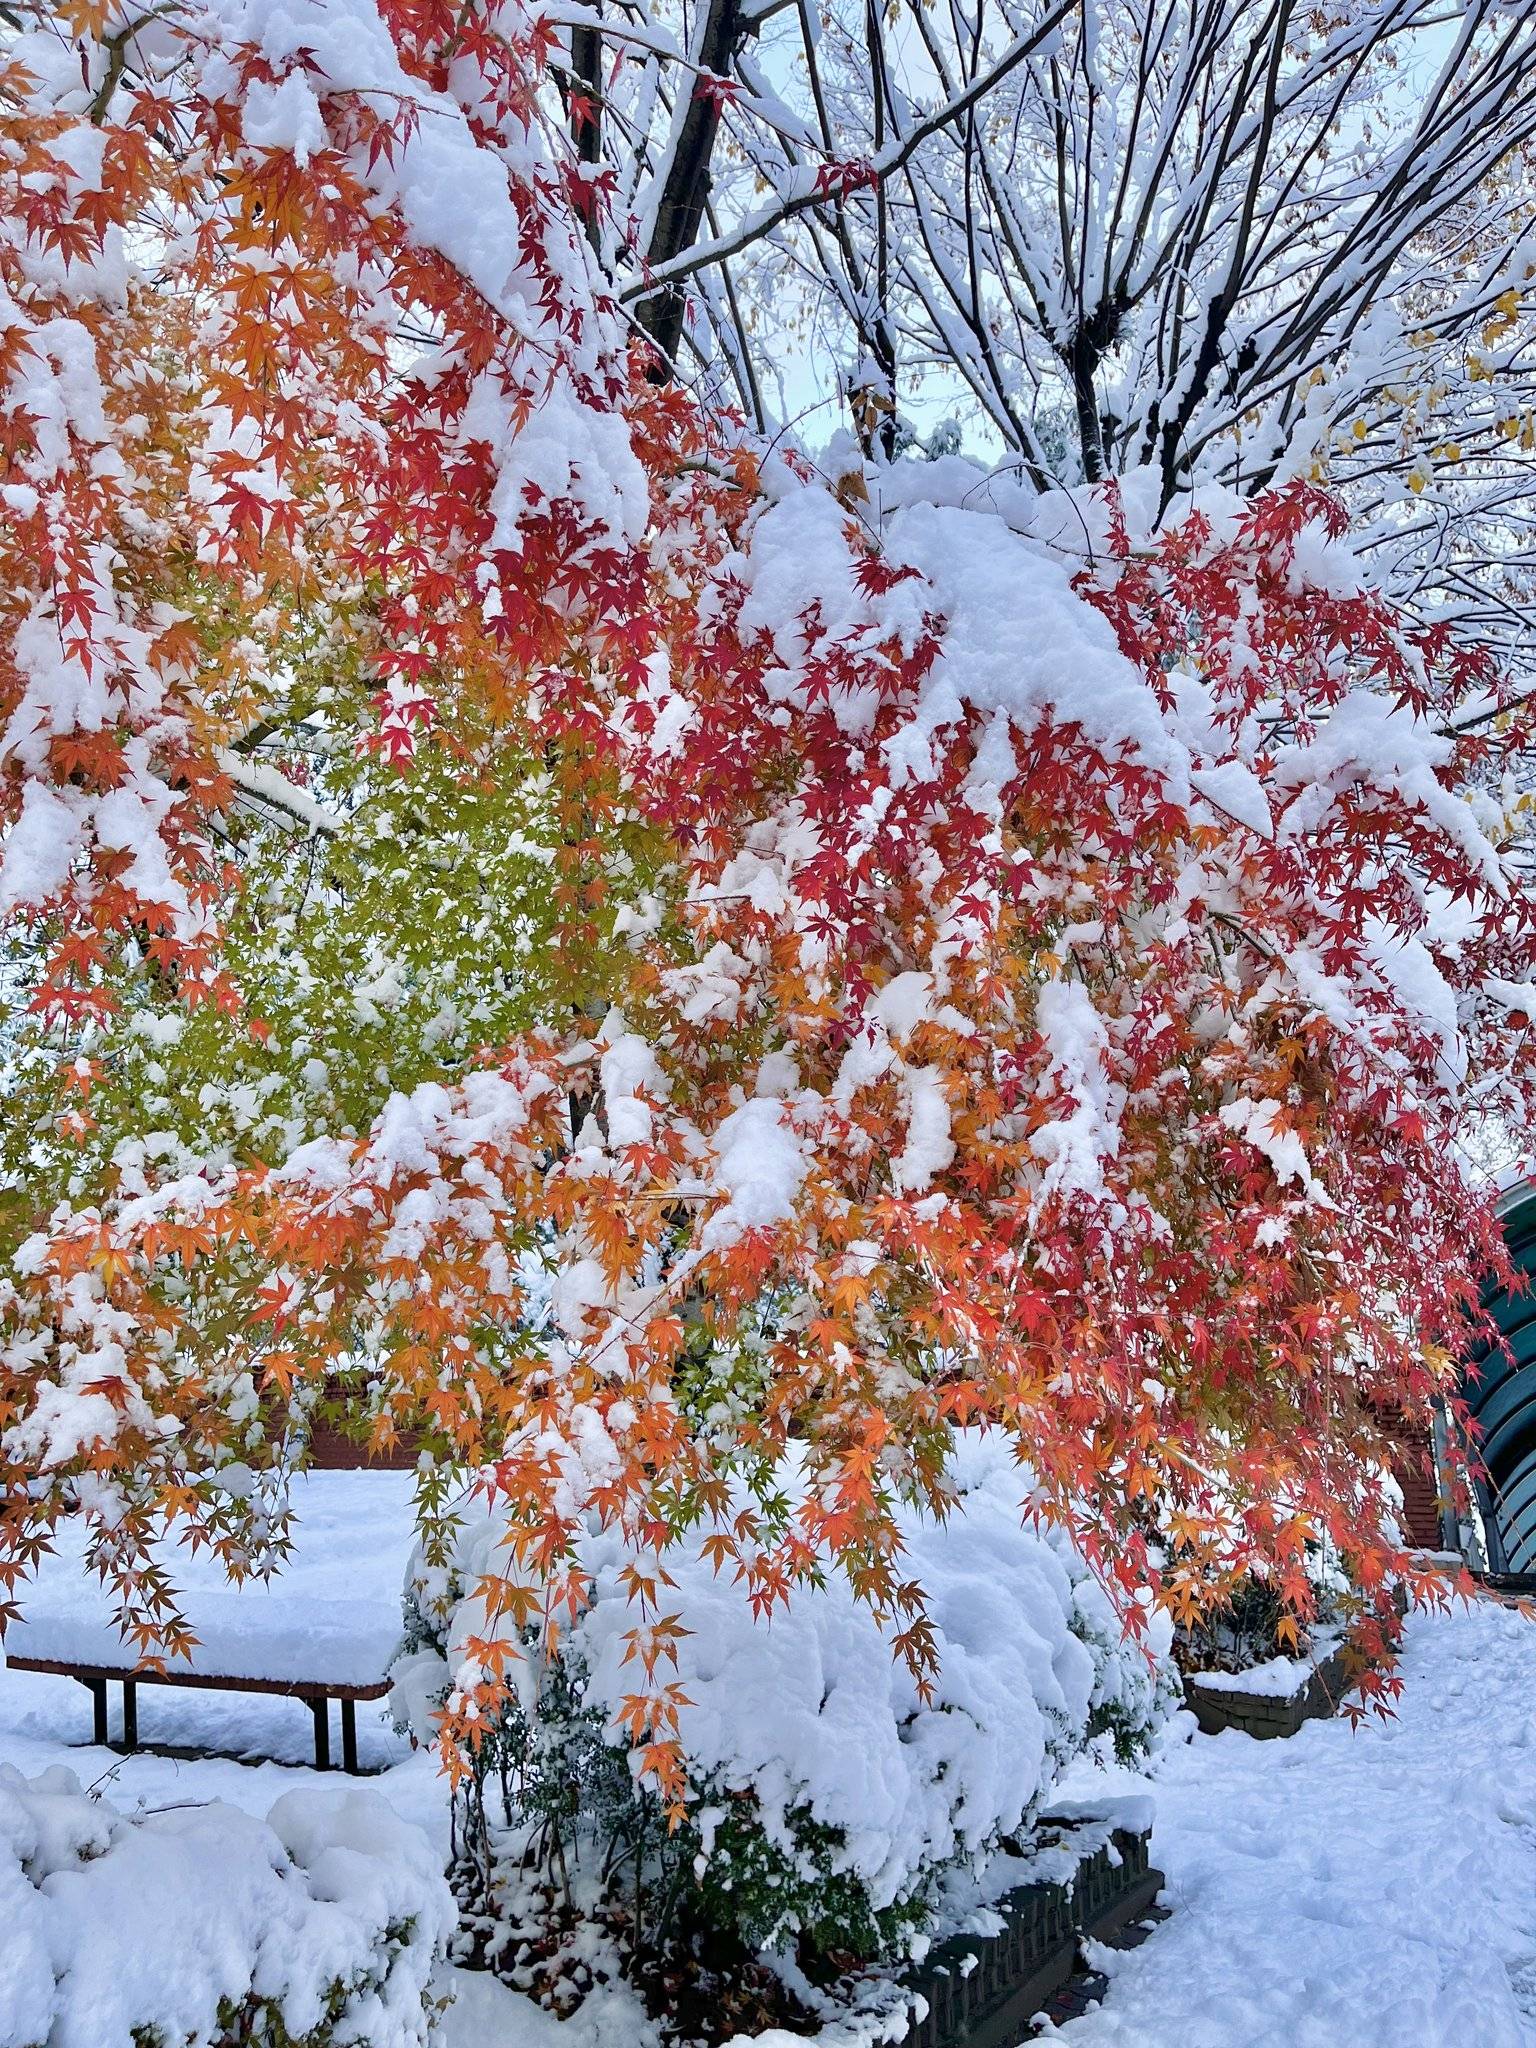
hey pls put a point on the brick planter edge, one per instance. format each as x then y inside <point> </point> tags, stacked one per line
<point>1268,1715</point>
<point>982,1991</point>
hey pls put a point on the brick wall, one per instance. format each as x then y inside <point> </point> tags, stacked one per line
<point>1411,1467</point>
<point>330,1451</point>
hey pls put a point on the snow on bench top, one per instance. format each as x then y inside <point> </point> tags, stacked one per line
<point>331,1616</point>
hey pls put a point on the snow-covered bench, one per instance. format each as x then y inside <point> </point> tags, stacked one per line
<point>324,1629</point>
<point>316,1692</point>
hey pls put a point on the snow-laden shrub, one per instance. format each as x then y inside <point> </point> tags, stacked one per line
<point>203,1927</point>
<point>1135,1694</point>
<point>827,1796</point>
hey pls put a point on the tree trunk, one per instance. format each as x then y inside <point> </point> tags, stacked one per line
<point>681,207</point>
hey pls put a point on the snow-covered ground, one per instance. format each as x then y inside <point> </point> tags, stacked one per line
<point>1352,1889</point>
<point>333,1612</point>
<point>1370,1889</point>
<point>338,1600</point>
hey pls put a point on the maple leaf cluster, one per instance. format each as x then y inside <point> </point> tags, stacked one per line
<point>622,959</point>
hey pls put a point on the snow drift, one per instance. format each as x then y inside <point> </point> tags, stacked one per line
<point>200,1925</point>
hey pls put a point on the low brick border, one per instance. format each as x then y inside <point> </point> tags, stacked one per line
<point>983,1990</point>
<point>1268,1715</point>
<point>1088,1987</point>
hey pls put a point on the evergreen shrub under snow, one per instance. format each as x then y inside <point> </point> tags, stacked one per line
<point>200,1926</point>
<point>827,1799</point>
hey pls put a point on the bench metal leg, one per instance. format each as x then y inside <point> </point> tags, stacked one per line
<point>97,1687</point>
<point>320,1709</point>
<point>130,1714</point>
<point>349,1736</point>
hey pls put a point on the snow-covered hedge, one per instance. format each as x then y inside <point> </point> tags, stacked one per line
<point>827,1795</point>
<point>203,1927</point>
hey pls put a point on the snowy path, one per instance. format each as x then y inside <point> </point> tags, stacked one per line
<point>1352,1890</point>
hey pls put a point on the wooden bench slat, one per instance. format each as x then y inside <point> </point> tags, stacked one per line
<point>287,1688</point>
<point>315,1692</point>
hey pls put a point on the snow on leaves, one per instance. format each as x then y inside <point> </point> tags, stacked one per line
<point>978,984</point>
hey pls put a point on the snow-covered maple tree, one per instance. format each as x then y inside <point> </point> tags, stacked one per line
<point>541,913</point>
<point>1235,240</point>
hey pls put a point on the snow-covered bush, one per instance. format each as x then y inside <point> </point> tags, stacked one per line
<point>1135,1693</point>
<point>200,1926</point>
<point>827,1796</point>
